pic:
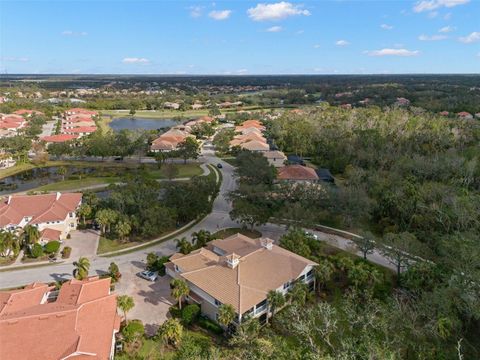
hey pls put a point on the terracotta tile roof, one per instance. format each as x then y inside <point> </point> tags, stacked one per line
<point>274,154</point>
<point>259,270</point>
<point>255,145</point>
<point>28,112</point>
<point>59,138</point>
<point>297,172</point>
<point>41,208</point>
<point>59,329</point>
<point>81,111</point>
<point>81,129</point>
<point>51,234</point>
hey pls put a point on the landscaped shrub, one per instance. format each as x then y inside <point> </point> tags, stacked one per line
<point>175,311</point>
<point>133,331</point>
<point>36,251</point>
<point>210,325</point>
<point>190,313</point>
<point>52,247</point>
<point>156,263</point>
<point>67,250</point>
<point>69,236</point>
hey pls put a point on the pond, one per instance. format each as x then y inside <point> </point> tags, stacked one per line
<point>33,178</point>
<point>124,123</point>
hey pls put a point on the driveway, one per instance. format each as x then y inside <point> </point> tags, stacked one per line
<point>83,243</point>
<point>152,299</point>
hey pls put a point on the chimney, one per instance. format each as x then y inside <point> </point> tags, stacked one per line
<point>9,199</point>
<point>232,260</point>
<point>58,195</point>
<point>266,243</point>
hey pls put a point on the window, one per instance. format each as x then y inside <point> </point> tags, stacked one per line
<point>287,285</point>
<point>217,303</point>
<point>176,268</point>
<point>310,273</point>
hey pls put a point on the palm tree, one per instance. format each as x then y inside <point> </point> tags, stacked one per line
<point>275,300</point>
<point>323,272</point>
<point>84,211</point>
<point>30,235</point>
<point>179,290</point>
<point>62,171</point>
<point>171,331</point>
<point>226,314</point>
<point>299,293</point>
<point>8,243</point>
<point>201,238</point>
<point>125,303</point>
<point>184,246</point>
<point>82,266</point>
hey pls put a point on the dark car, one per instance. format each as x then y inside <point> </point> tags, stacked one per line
<point>219,166</point>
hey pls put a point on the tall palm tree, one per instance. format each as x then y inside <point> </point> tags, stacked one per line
<point>184,246</point>
<point>82,266</point>
<point>125,303</point>
<point>323,272</point>
<point>201,238</point>
<point>30,235</point>
<point>179,290</point>
<point>171,331</point>
<point>275,300</point>
<point>226,314</point>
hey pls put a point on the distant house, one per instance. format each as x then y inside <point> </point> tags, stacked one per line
<point>239,271</point>
<point>444,113</point>
<point>325,175</point>
<point>28,113</point>
<point>197,106</point>
<point>477,115</point>
<point>58,138</point>
<point>295,160</point>
<point>79,321</point>
<point>275,158</point>
<point>297,173</point>
<point>171,105</point>
<point>465,115</point>
<point>255,145</point>
<point>401,101</point>
<point>78,111</point>
<point>80,130</point>
<point>46,211</point>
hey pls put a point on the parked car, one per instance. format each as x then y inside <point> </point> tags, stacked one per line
<point>148,275</point>
<point>219,166</point>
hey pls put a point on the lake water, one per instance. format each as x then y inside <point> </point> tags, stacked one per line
<point>118,124</point>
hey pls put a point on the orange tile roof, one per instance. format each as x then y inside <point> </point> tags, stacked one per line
<point>59,138</point>
<point>51,234</point>
<point>297,172</point>
<point>79,323</point>
<point>255,145</point>
<point>41,208</point>
<point>81,129</point>
<point>259,270</point>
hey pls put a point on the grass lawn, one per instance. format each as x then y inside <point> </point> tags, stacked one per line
<point>222,234</point>
<point>184,170</point>
<point>4,261</point>
<point>106,245</point>
<point>77,184</point>
<point>231,160</point>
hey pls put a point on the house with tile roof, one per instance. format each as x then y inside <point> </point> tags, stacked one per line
<point>275,158</point>
<point>297,173</point>
<point>56,212</point>
<point>79,321</point>
<point>239,271</point>
<point>58,138</point>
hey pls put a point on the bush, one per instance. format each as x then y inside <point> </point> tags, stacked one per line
<point>133,331</point>
<point>210,325</point>
<point>52,247</point>
<point>69,236</point>
<point>36,251</point>
<point>190,313</point>
<point>67,250</point>
<point>156,263</point>
<point>175,312</point>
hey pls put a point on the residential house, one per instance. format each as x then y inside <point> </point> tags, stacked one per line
<point>170,140</point>
<point>80,111</point>
<point>465,115</point>
<point>28,113</point>
<point>47,211</point>
<point>325,175</point>
<point>79,321</point>
<point>171,105</point>
<point>275,158</point>
<point>297,174</point>
<point>239,271</point>
<point>58,138</point>
<point>255,145</point>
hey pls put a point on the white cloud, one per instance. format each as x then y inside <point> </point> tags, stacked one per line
<point>300,32</point>
<point>316,46</point>
<point>473,37</point>
<point>446,29</point>
<point>220,14</point>
<point>392,52</point>
<point>342,43</point>
<point>276,11</point>
<point>274,29</point>
<point>386,27</point>
<point>195,11</point>
<point>74,33</point>
<point>430,5</point>
<point>135,60</point>
<point>424,37</point>
<point>478,55</point>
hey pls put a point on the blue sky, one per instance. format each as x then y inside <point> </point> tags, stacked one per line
<point>240,37</point>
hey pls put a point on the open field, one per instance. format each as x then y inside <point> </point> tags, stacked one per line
<point>77,184</point>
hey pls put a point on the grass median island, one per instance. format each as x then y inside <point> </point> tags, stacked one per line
<point>78,184</point>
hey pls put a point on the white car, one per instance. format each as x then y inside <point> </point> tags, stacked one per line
<point>148,275</point>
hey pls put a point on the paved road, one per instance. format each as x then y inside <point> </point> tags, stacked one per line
<point>132,263</point>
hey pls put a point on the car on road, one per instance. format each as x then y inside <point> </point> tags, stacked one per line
<point>148,275</point>
<point>219,166</point>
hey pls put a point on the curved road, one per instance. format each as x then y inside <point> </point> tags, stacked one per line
<point>134,262</point>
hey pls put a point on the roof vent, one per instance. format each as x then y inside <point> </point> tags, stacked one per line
<point>58,195</point>
<point>9,199</point>
<point>232,260</point>
<point>266,243</point>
